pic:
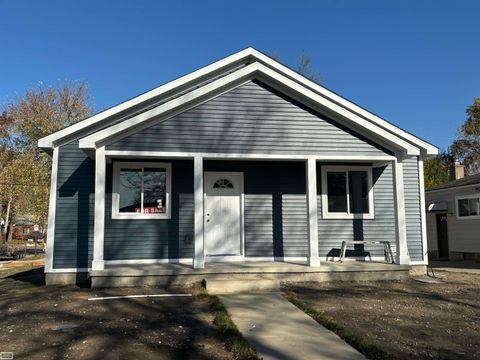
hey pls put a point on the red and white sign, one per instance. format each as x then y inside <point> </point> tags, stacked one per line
<point>151,210</point>
<point>154,210</point>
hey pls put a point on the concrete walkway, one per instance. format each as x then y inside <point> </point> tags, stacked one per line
<point>279,330</point>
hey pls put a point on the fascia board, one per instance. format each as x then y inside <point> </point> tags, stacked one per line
<point>250,71</point>
<point>428,148</point>
<point>50,140</point>
<point>91,141</point>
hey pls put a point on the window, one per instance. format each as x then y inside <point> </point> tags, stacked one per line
<point>347,192</point>
<point>141,190</point>
<point>223,184</point>
<point>26,230</point>
<point>468,207</point>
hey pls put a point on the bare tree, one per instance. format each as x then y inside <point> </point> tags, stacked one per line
<point>304,65</point>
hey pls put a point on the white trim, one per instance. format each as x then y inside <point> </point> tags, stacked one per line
<point>52,206</point>
<point>402,256</point>
<point>430,149</point>
<point>463,197</point>
<point>352,118</point>
<point>186,103</point>
<point>208,259</point>
<point>423,212</point>
<point>312,212</point>
<point>99,221</point>
<point>367,259</point>
<point>240,156</point>
<point>186,261</point>
<point>419,262</point>
<point>253,55</point>
<point>277,258</point>
<point>255,70</point>
<point>48,141</point>
<point>454,188</point>
<point>68,270</point>
<point>169,109</point>
<point>242,215</point>
<point>199,243</point>
<point>346,168</point>
<point>225,258</point>
<point>116,214</point>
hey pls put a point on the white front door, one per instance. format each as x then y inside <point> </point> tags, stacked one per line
<point>223,213</point>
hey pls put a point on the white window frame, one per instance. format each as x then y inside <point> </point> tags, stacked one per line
<point>346,215</point>
<point>117,165</point>
<point>463,197</point>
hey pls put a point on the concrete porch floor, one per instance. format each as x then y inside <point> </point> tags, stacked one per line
<point>224,272</point>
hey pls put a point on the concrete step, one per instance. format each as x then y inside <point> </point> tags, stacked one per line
<point>226,286</point>
<point>247,281</point>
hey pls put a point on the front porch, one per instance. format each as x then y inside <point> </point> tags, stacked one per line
<point>258,273</point>
<point>281,214</point>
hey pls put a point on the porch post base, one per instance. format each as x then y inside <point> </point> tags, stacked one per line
<point>402,260</point>
<point>98,265</point>
<point>198,263</point>
<point>313,261</point>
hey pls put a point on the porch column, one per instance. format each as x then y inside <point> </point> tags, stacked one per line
<point>199,259</point>
<point>399,196</point>
<point>313,258</point>
<point>99,222</point>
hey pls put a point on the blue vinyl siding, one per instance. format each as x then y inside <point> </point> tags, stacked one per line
<point>74,209</point>
<point>250,119</point>
<point>412,208</point>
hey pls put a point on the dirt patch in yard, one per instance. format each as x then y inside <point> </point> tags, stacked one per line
<point>409,320</point>
<point>38,322</point>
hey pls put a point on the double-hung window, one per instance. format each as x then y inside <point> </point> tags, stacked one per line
<point>468,207</point>
<point>347,192</point>
<point>141,190</point>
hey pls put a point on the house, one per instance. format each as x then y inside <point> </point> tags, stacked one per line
<point>453,218</point>
<point>23,228</point>
<point>242,160</point>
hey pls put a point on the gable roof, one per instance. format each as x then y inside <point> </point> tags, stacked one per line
<point>220,76</point>
<point>466,181</point>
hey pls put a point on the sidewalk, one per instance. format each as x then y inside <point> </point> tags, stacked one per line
<point>279,330</point>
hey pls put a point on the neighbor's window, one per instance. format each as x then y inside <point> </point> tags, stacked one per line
<point>141,190</point>
<point>468,207</point>
<point>26,230</point>
<point>347,192</point>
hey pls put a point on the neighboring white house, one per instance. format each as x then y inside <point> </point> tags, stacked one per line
<point>453,218</point>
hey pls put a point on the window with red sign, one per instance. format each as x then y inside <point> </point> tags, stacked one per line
<point>141,190</point>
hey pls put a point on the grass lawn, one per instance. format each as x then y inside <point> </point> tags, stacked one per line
<point>399,320</point>
<point>39,322</point>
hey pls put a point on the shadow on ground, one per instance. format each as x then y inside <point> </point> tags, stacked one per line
<point>58,322</point>
<point>427,321</point>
